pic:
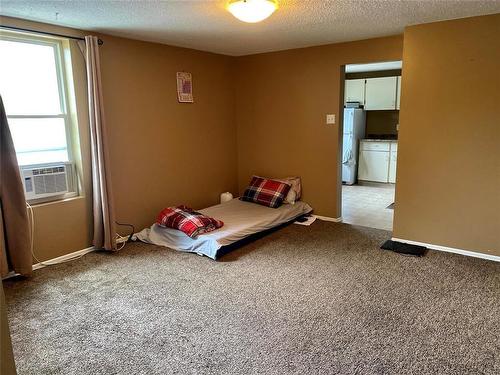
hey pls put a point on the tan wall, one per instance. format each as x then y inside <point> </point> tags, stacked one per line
<point>448,173</point>
<point>448,145</point>
<point>162,152</point>
<point>281,103</point>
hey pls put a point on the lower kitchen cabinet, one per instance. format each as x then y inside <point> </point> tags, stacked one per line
<point>377,161</point>
<point>373,166</point>
<point>392,166</point>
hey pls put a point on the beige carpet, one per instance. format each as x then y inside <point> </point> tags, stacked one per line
<point>303,300</point>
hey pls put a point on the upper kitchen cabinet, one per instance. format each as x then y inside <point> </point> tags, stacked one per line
<point>398,93</point>
<point>354,91</point>
<point>380,93</point>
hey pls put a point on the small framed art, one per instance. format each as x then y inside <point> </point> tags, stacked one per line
<point>184,87</point>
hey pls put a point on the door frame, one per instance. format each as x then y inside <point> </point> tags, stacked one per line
<point>340,142</point>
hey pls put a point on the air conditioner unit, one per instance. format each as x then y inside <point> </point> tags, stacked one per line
<point>44,181</point>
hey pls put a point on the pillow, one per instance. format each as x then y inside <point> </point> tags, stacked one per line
<point>266,192</point>
<point>187,220</point>
<point>295,191</point>
<point>291,197</point>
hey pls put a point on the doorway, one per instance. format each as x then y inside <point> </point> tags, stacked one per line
<point>369,143</point>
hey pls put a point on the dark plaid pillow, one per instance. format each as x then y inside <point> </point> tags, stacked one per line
<point>267,192</point>
<point>187,220</point>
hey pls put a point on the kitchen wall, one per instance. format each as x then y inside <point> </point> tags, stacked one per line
<point>375,74</point>
<point>162,152</point>
<point>282,99</point>
<point>382,123</point>
<point>448,172</point>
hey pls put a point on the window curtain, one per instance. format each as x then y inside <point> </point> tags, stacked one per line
<point>15,251</point>
<point>103,205</point>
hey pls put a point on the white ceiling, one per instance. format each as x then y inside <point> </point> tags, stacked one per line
<point>206,25</point>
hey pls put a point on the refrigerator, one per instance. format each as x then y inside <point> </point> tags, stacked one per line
<point>354,131</point>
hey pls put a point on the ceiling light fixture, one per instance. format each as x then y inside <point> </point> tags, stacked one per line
<point>252,11</point>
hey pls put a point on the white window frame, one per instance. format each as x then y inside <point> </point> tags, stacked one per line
<point>60,64</point>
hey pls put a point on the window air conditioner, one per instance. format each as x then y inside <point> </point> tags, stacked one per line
<point>44,181</point>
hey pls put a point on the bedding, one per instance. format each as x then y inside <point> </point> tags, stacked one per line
<point>266,192</point>
<point>187,220</point>
<point>241,219</point>
<point>295,189</point>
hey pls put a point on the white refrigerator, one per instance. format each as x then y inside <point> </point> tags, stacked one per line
<point>354,131</point>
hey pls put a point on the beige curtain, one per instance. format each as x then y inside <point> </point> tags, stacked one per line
<point>104,217</point>
<point>15,252</point>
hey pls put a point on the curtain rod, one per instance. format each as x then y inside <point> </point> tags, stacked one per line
<point>99,41</point>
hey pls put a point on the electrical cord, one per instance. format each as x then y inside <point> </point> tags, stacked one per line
<point>123,238</point>
<point>31,218</point>
<point>118,238</point>
<point>127,225</point>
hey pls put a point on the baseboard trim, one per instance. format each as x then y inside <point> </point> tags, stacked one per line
<point>62,258</point>
<point>467,253</point>
<point>327,218</point>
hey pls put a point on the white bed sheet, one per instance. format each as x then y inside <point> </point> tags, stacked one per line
<point>241,219</point>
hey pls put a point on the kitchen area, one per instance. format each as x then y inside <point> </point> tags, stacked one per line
<point>370,143</point>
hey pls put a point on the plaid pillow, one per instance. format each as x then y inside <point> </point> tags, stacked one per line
<point>187,220</point>
<point>267,192</point>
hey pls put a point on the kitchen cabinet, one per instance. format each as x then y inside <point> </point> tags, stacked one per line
<point>380,93</point>
<point>354,91</point>
<point>373,166</point>
<point>377,161</point>
<point>393,159</point>
<point>392,167</point>
<point>398,93</point>
<point>374,161</point>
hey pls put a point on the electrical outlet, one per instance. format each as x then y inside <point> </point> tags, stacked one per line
<point>330,119</point>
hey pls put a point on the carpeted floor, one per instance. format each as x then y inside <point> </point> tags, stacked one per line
<point>303,300</point>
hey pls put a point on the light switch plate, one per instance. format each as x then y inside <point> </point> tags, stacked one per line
<point>330,119</point>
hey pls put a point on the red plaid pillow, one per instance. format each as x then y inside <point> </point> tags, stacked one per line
<point>267,192</point>
<point>187,220</point>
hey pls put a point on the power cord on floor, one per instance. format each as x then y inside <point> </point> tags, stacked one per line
<point>122,239</point>
<point>127,225</point>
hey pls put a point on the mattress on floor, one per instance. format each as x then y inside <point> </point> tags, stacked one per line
<point>241,219</point>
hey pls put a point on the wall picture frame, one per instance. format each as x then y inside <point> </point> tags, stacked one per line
<point>184,87</point>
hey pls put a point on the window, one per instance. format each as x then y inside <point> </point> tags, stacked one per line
<point>32,86</point>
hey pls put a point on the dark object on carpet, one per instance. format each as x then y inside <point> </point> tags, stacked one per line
<point>313,299</point>
<point>391,206</point>
<point>302,218</point>
<point>404,248</point>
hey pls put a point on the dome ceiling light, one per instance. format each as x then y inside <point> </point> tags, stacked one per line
<point>252,11</point>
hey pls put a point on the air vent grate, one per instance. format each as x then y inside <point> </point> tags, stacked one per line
<point>51,183</point>
<point>29,184</point>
